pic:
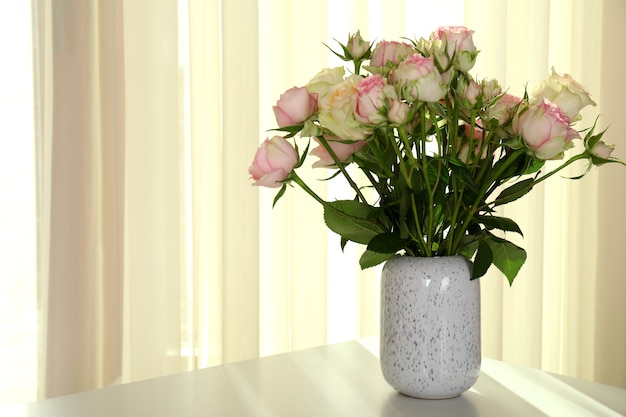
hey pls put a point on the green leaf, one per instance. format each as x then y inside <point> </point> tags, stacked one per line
<point>311,129</point>
<point>343,243</point>
<point>507,257</point>
<point>501,223</point>
<point>370,258</point>
<point>483,259</point>
<point>387,243</point>
<point>514,192</point>
<point>291,130</point>
<point>303,156</point>
<point>279,194</point>
<point>470,245</point>
<point>460,171</point>
<point>533,166</point>
<point>350,219</point>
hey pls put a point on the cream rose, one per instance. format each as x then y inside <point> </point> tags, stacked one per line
<point>565,92</point>
<point>324,80</point>
<point>336,111</point>
<point>357,46</point>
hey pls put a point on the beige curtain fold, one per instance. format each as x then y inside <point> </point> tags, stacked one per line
<point>157,255</point>
<point>84,170</point>
<point>609,331</point>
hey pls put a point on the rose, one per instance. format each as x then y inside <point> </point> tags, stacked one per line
<point>490,89</point>
<point>398,111</point>
<point>356,46</point>
<point>546,130</point>
<point>503,109</point>
<point>342,151</point>
<point>418,79</point>
<point>458,44</point>
<point>565,92</point>
<point>474,137</point>
<point>336,112</point>
<point>601,152</point>
<point>295,106</point>
<point>470,91</point>
<point>369,99</point>
<point>389,51</point>
<point>372,95</point>
<point>273,162</point>
<point>324,80</point>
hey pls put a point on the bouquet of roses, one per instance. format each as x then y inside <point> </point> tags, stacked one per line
<point>439,150</point>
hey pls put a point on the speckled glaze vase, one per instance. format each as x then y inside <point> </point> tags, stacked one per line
<point>430,326</point>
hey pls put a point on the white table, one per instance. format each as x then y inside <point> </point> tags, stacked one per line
<point>337,380</point>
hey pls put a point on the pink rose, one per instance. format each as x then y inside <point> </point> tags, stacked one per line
<point>546,130</point>
<point>476,137</point>
<point>273,162</point>
<point>457,41</point>
<point>398,111</point>
<point>342,151</point>
<point>502,110</point>
<point>295,106</point>
<point>418,79</point>
<point>371,96</point>
<point>390,51</point>
<point>471,92</point>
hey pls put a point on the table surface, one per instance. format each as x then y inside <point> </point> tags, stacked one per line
<point>342,379</point>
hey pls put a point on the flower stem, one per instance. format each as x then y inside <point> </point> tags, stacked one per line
<point>342,168</point>
<point>295,178</point>
<point>474,208</point>
<point>570,161</point>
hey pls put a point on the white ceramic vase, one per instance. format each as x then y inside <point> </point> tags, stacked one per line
<point>430,326</point>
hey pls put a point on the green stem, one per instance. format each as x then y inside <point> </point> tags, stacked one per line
<point>424,170</point>
<point>373,146</point>
<point>473,209</point>
<point>295,178</point>
<point>573,159</point>
<point>401,162</point>
<point>342,168</point>
<point>420,234</point>
<point>458,198</point>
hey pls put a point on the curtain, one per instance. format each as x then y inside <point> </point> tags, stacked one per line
<point>157,256</point>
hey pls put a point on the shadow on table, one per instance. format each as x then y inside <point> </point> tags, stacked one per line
<point>401,405</point>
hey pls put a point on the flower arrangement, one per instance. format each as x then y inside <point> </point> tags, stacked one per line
<point>439,150</point>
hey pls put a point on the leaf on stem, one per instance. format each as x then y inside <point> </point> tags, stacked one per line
<point>350,219</point>
<point>371,258</point>
<point>279,194</point>
<point>501,223</point>
<point>483,259</point>
<point>291,130</point>
<point>507,256</point>
<point>514,192</point>
<point>387,243</point>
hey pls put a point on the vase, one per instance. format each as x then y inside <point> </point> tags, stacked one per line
<point>430,326</point>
